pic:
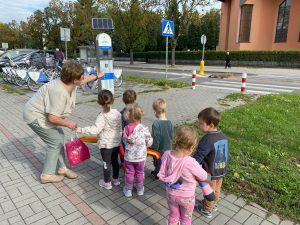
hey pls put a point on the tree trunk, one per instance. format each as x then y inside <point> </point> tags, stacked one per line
<point>173,56</point>
<point>174,41</point>
<point>131,56</point>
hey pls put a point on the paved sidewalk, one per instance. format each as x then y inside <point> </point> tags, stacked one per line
<point>23,200</point>
<point>213,69</point>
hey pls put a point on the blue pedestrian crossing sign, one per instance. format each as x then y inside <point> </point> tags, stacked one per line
<point>167,28</point>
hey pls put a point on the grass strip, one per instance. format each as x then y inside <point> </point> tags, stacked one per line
<point>157,82</point>
<point>11,89</point>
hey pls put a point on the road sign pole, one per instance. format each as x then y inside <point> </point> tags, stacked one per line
<point>203,52</point>
<point>167,57</point>
<point>66,47</point>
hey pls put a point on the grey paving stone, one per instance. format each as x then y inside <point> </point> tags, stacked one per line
<point>226,211</point>
<point>57,212</point>
<point>144,214</point>
<point>118,219</point>
<point>274,219</point>
<point>8,215</point>
<point>79,221</point>
<point>240,202</point>
<point>231,198</point>
<point>7,206</point>
<point>220,220</point>
<point>255,210</point>
<point>241,216</point>
<point>265,222</point>
<point>132,221</point>
<point>233,222</point>
<point>45,220</point>
<point>229,205</point>
<point>26,211</point>
<point>15,219</point>
<point>286,222</point>
<point>112,213</point>
<point>196,222</point>
<point>68,207</point>
<point>138,204</point>
<point>253,220</point>
<point>41,193</point>
<point>4,222</point>
<point>37,216</point>
<point>98,208</point>
<point>37,206</point>
<point>69,218</point>
<point>258,206</point>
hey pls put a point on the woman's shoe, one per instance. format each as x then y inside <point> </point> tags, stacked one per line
<point>69,174</point>
<point>52,179</point>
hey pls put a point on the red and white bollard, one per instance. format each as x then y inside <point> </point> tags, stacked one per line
<point>194,79</point>
<point>243,87</point>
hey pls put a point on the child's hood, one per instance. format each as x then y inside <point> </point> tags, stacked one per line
<point>132,130</point>
<point>173,168</point>
<point>113,118</point>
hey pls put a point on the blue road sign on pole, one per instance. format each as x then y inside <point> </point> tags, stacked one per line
<point>167,28</point>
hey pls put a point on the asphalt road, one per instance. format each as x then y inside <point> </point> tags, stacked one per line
<point>227,81</point>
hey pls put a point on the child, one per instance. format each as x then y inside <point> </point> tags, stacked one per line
<point>129,97</point>
<point>137,139</point>
<point>162,131</point>
<point>178,164</point>
<point>108,128</point>
<point>213,153</point>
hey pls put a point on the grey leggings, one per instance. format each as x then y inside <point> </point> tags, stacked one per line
<point>54,139</point>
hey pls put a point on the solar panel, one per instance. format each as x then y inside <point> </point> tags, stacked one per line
<point>102,24</point>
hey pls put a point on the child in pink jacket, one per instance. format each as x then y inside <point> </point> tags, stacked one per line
<point>137,138</point>
<point>178,165</point>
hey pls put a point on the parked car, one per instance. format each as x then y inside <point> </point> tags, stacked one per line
<point>28,57</point>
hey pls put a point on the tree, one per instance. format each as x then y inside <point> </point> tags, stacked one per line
<point>84,11</point>
<point>129,21</point>
<point>210,26</point>
<point>34,30</point>
<point>181,11</point>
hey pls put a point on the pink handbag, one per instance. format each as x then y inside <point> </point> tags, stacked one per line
<point>76,150</point>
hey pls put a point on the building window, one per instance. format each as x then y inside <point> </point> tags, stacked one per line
<point>283,21</point>
<point>245,23</point>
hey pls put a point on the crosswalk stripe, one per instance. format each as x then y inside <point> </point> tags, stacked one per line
<point>238,85</point>
<point>234,89</point>
<point>257,84</point>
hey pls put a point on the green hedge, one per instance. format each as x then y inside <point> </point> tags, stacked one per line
<point>268,56</point>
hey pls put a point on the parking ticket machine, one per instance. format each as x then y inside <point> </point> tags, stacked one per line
<point>104,57</point>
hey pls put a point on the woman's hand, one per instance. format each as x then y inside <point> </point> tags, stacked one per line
<point>90,78</point>
<point>71,125</point>
<point>100,74</point>
<point>78,130</point>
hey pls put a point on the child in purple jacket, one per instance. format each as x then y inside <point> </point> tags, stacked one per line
<point>176,165</point>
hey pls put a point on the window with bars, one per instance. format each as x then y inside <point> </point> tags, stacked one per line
<point>283,21</point>
<point>245,23</point>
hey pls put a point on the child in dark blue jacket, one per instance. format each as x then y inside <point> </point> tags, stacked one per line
<point>213,154</point>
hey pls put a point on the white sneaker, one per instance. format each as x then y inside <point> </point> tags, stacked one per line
<point>127,193</point>
<point>141,192</point>
<point>107,185</point>
<point>116,182</point>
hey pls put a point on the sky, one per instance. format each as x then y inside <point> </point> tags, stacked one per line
<point>21,9</point>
